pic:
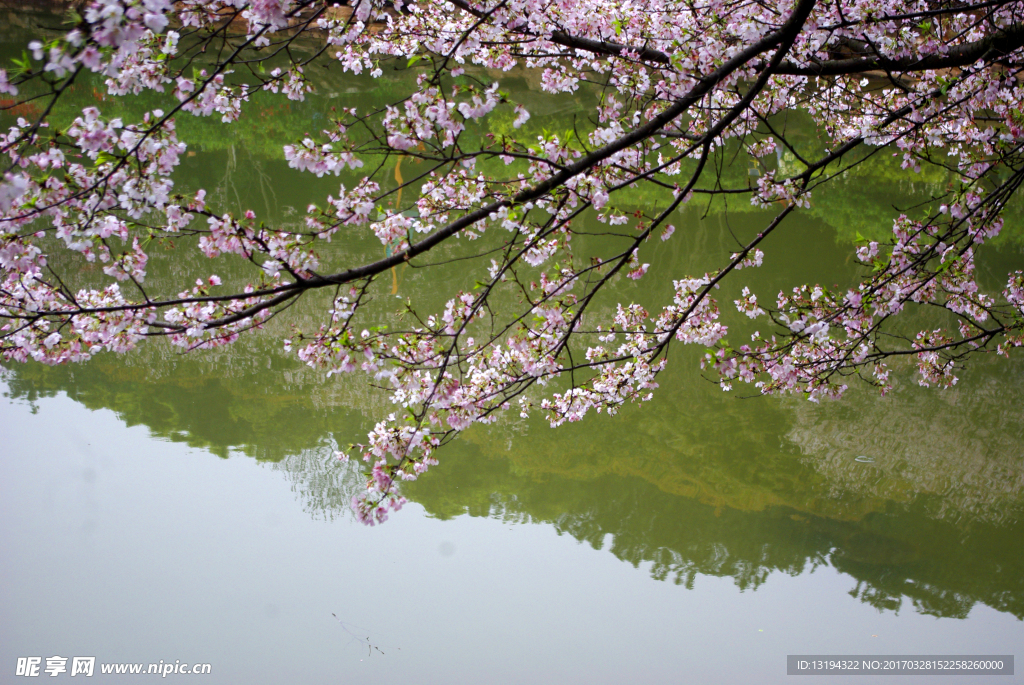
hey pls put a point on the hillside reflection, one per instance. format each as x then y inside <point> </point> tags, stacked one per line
<point>727,488</point>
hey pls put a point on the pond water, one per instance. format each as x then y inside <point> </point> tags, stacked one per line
<point>187,508</point>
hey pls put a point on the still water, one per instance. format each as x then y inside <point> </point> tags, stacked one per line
<point>186,508</point>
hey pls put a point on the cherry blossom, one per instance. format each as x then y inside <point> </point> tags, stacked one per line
<point>550,328</point>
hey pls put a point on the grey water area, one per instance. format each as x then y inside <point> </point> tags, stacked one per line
<point>131,548</point>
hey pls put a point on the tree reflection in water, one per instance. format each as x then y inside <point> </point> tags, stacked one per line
<point>934,528</point>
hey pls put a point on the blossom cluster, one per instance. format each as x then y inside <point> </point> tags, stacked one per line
<point>672,90</point>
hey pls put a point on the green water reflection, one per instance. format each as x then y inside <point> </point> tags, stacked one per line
<point>697,483</point>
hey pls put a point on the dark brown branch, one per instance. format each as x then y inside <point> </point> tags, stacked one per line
<point>991,48</point>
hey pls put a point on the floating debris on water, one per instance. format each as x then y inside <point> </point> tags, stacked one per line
<point>865,460</point>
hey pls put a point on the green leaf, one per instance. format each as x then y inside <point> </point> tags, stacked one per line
<point>413,60</point>
<point>23,65</point>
